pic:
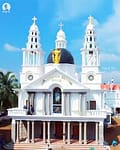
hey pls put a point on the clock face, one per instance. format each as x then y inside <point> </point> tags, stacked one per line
<point>30,77</point>
<point>91,77</point>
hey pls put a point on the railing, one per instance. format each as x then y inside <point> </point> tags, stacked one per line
<point>16,112</point>
<point>87,113</point>
<point>97,113</point>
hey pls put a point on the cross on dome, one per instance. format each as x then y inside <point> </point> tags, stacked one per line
<point>34,19</point>
<point>61,25</point>
<point>91,20</point>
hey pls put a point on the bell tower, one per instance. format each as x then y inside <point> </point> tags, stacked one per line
<point>91,75</point>
<point>32,65</point>
<point>60,41</point>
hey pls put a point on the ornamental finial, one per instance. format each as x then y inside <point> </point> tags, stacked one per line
<point>34,19</point>
<point>61,25</point>
<point>91,20</point>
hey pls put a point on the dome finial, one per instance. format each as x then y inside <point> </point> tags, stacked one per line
<point>34,19</point>
<point>61,25</point>
<point>91,21</point>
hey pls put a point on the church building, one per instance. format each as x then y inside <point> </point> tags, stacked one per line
<point>55,100</point>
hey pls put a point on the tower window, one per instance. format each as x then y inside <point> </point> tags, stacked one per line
<point>35,39</point>
<point>90,32</point>
<point>32,33</point>
<point>31,39</point>
<point>36,46</point>
<point>57,100</point>
<point>90,38</point>
<point>35,33</point>
<point>31,46</point>
<point>91,52</point>
<point>90,45</point>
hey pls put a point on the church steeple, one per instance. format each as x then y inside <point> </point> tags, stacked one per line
<point>91,75</point>
<point>32,67</point>
<point>60,38</point>
<point>32,54</point>
<point>90,51</point>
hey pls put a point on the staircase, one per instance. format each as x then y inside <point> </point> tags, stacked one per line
<point>53,146</point>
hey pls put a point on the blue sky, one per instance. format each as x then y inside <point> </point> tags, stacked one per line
<point>14,27</point>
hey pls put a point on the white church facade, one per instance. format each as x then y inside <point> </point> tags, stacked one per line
<point>64,106</point>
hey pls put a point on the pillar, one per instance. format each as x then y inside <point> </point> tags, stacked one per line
<point>64,133</point>
<point>68,138</point>
<point>101,133</point>
<point>48,132</point>
<point>63,103</point>
<point>28,131</point>
<point>44,132</point>
<point>80,132</point>
<point>96,132</point>
<point>17,140</point>
<point>13,130</point>
<point>20,130</point>
<point>85,133</point>
<point>32,131</point>
<point>49,104</point>
<point>79,103</point>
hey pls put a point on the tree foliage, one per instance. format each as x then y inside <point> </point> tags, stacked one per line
<point>8,84</point>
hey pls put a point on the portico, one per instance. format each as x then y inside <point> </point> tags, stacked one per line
<point>64,130</point>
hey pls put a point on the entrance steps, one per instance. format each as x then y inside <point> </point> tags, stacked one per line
<point>53,146</point>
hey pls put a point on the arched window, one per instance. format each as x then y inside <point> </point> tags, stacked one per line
<point>32,39</point>
<point>57,100</point>
<point>90,45</point>
<point>35,39</point>
<point>90,38</point>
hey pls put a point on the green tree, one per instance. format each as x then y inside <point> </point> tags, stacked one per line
<point>8,96</point>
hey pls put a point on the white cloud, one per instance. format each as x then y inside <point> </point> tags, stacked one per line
<point>108,75</point>
<point>10,47</point>
<point>69,9</point>
<point>110,31</point>
<point>107,57</point>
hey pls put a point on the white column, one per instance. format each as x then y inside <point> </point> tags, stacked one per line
<point>28,131</point>
<point>28,58</point>
<point>32,131</point>
<point>64,132</point>
<point>85,132</point>
<point>83,104</point>
<point>48,132</point>
<point>68,133</point>
<point>33,59</point>
<point>49,112</point>
<point>101,133</point>
<point>13,130</point>
<point>20,130</point>
<point>96,132</point>
<point>44,104</point>
<point>80,132</point>
<point>69,105</point>
<point>23,58</point>
<point>44,132</point>
<point>79,103</point>
<point>17,140</point>
<point>63,103</point>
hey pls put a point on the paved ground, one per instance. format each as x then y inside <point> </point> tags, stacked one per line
<point>113,132</point>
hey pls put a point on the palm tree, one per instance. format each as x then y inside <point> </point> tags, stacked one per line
<point>8,97</point>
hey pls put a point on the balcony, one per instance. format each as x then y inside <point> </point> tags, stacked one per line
<point>87,113</point>
<point>17,112</point>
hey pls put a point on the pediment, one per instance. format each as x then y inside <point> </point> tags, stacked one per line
<point>56,78</point>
